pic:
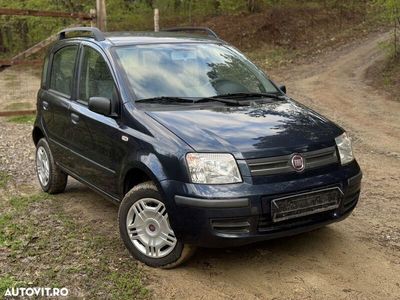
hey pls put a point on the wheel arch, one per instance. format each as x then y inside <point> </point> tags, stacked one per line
<point>37,134</point>
<point>135,174</point>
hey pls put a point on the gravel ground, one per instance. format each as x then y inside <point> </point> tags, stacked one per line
<point>17,155</point>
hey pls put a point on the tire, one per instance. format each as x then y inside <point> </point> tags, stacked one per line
<point>149,237</point>
<point>56,180</point>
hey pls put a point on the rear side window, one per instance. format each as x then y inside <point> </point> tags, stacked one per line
<point>62,70</point>
<point>44,72</point>
<point>95,79</point>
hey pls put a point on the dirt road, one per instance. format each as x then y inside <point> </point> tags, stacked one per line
<point>358,258</point>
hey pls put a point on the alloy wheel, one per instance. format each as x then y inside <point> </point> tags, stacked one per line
<point>42,166</point>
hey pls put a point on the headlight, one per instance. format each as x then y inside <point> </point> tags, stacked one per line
<point>213,168</point>
<point>343,143</point>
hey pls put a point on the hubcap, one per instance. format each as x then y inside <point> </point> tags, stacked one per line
<point>148,228</point>
<point>42,166</point>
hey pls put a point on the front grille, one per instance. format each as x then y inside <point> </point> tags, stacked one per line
<point>231,226</point>
<point>282,164</point>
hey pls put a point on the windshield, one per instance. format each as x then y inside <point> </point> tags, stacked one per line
<point>190,70</point>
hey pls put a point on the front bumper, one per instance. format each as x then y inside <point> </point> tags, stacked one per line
<point>238,214</point>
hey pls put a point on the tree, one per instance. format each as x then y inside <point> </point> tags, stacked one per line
<point>392,14</point>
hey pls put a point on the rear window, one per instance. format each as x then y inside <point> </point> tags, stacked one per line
<point>62,70</point>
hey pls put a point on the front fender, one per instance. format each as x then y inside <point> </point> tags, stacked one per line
<point>157,167</point>
<point>154,150</point>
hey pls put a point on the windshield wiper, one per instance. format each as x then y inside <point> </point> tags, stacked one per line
<point>166,99</point>
<point>231,98</point>
<point>245,96</point>
<point>236,98</point>
<point>222,100</point>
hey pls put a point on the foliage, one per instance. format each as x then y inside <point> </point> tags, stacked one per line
<point>231,5</point>
<point>392,15</point>
<point>19,32</point>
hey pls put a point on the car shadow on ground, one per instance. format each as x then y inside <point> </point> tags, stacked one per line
<point>88,206</point>
<point>305,244</point>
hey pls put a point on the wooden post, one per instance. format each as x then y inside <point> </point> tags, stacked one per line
<point>190,12</point>
<point>93,19</point>
<point>156,20</point>
<point>101,15</point>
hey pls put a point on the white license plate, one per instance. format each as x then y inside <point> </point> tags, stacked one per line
<point>304,204</point>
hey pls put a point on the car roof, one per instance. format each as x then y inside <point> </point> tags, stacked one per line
<point>173,35</point>
<point>123,38</point>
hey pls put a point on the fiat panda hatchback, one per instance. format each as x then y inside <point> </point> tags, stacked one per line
<point>196,145</point>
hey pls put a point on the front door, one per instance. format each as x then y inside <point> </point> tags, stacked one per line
<point>96,138</point>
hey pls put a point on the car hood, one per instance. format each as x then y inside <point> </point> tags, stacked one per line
<point>258,130</point>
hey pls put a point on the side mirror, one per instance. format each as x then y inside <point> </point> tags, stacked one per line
<point>101,105</point>
<point>283,88</point>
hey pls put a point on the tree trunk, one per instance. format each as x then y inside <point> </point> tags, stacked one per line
<point>395,39</point>
<point>250,5</point>
<point>2,48</point>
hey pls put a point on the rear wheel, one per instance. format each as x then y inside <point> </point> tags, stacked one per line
<point>146,231</point>
<point>51,178</point>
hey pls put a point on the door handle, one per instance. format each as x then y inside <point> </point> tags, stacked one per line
<point>45,105</point>
<point>74,118</point>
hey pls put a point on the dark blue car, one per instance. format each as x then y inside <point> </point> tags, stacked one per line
<point>192,140</point>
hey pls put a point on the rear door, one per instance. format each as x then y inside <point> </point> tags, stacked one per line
<point>95,138</point>
<point>56,100</point>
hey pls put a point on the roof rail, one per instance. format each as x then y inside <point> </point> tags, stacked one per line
<point>193,29</point>
<point>95,32</point>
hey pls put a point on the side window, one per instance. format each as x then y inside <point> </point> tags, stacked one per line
<point>62,70</point>
<point>44,72</point>
<point>95,79</point>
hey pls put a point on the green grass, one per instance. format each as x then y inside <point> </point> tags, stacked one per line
<point>49,246</point>
<point>5,221</point>
<point>14,234</point>
<point>127,286</point>
<point>122,284</point>
<point>19,106</point>
<point>21,202</point>
<point>4,179</point>
<point>9,282</point>
<point>27,119</point>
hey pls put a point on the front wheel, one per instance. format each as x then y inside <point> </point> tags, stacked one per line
<point>145,229</point>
